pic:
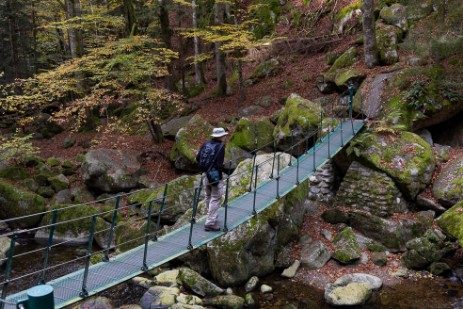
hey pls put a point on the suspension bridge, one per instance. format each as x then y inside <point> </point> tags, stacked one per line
<point>156,250</point>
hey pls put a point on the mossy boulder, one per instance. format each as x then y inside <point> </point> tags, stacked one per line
<point>234,155</point>
<point>129,234</point>
<point>179,198</point>
<point>170,128</point>
<point>387,42</point>
<point>345,76</point>
<point>4,248</point>
<point>13,173</point>
<point>369,190</point>
<point>196,283</point>
<point>451,222</point>
<point>17,202</point>
<point>266,69</point>
<point>111,170</point>
<point>299,117</point>
<point>425,250</point>
<point>418,10</point>
<point>59,182</point>
<point>395,15</point>
<point>251,248</point>
<point>252,134</point>
<point>159,296</point>
<point>348,58</point>
<point>403,156</point>
<point>346,248</point>
<point>348,16</point>
<point>187,142</point>
<point>225,302</point>
<point>75,225</point>
<point>351,294</point>
<point>392,234</point>
<point>448,186</point>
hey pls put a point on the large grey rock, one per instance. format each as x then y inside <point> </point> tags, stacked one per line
<point>369,190</point>
<point>183,153</point>
<point>314,255</point>
<point>252,134</point>
<point>59,182</point>
<point>97,302</point>
<point>158,296</point>
<point>404,156</point>
<point>4,248</point>
<point>392,234</point>
<point>167,278</point>
<point>387,42</point>
<point>225,302</point>
<point>451,222</point>
<point>448,186</point>
<point>351,294</point>
<point>15,202</point>
<point>373,282</point>
<point>111,170</point>
<point>197,283</point>
<point>266,69</point>
<point>170,128</point>
<point>321,183</point>
<point>395,15</point>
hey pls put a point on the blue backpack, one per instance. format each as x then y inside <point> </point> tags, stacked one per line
<point>207,156</point>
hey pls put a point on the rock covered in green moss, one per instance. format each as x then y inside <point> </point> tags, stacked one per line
<point>448,186</point>
<point>299,117</point>
<point>347,16</point>
<point>13,173</point>
<point>159,296</point>
<point>179,197</point>
<point>266,69</point>
<point>404,156</point>
<point>59,182</point>
<point>251,248</point>
<point>252,134</point>
<point>345,76</point>
<point>196,283</point>
<point>370,190</point>
<point>17,202</point>
<point>111,170</point>
<point>419,10</point>
<point>395,15</point>
<point>352,294</point>
<point>387,42</point>
<point>75,225</point>
<point>451,222</point>
<point>393,235</point>
<point>425,250</point>
<point>129,234</point>
<point>183,153</point>
<point>225,302</point>
<point>346,248</point>
<point>348,58</point>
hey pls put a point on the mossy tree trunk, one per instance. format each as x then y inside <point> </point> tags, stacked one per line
<point>156,132</point>
<point>131,20</point>
<point>369,33</point>
<point>74,35</point>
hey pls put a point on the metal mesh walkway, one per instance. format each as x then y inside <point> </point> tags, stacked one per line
<point>129,264</point>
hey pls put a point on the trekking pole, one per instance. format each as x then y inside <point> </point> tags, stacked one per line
<point>193,219</point>
<point>278,178</point>
<point>225,227</point>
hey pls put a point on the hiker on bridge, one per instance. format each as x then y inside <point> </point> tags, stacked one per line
<point>210,159</point>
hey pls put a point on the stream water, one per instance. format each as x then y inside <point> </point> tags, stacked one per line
<point>435,292</point>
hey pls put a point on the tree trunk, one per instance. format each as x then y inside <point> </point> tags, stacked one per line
<point>12,22</point>
<point>166,36</point>
<point>198,73</point>
<point>219,55</point>
<point>130,18</point>
<point>369,42</point>
<point>241,81</point>
<point>72,9</point>
<point>156,132</point>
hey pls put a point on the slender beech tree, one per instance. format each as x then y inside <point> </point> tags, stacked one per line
<point>219,12</point>
<point>369,33</point>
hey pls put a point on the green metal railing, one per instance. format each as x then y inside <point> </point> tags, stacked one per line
<point>302,145</point>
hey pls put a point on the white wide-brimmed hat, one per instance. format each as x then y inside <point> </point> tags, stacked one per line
<point>218,132</point>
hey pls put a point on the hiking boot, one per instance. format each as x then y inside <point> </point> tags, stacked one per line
<point>209,228</point>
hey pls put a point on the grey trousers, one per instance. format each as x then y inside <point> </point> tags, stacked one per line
<point>213,195</point>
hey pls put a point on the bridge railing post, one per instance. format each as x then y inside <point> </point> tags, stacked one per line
<point>252,171</point>
<point>297,171</point>
<point>254,212</point>
<point>84,292</point>
<point>291,146</point>
<point>278,177</point>
<point>49,243</point>
<point>111,230</point>
<point>313,152</point>
<point>342,133</point>
<point>329,139</point>
<point>351,99</point>
<point>8,268</point>
<point>161,209</point>
<point>274,155</point>
<point>225,203</point>
<point>147,236</point>
<point>193,217</point>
